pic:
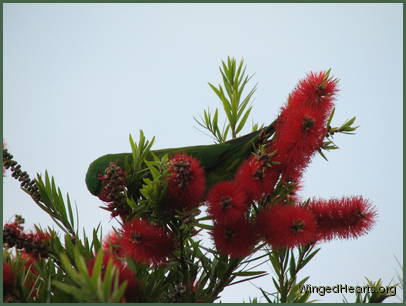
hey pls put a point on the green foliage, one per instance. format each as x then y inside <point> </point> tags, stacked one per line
<point>54,205</point>
<point>346,128</point>
<point>100,286</point>
<point>152,191</point>
<point>237,109</point>
<point>140,152</point>
<point>287,264</point>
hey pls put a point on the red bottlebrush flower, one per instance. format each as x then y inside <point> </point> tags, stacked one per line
<point>8,276</point>
<point>131,291</point>
<point>317,90</point>
<point>30,261</point>
<point>39,236</point>
<point>301,126</point>
<point>146,243</point>
<point>104,195</point>
<point>12,235</point>
<point>186,182</point>
<point>36,243</point>
<point>112,244</point>
<point>125,274</point>
<point>348,217</point>
<point>236,239</point>
<point>227,203</point>
<point>257,177</point>
<point>287,226</point>
<point>114,190</point>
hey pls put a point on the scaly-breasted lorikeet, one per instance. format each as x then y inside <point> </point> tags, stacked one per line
<point>219,161</point>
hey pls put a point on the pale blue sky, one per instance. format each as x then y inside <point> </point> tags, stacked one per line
<point>79,78</point>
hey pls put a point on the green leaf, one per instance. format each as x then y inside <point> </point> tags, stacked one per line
<point>276,284</point>
<point>308,258</point>
<point>72,290</point>
<point>265,295</point>
<point>215,120</point>
<point>322,154</point>
<point>349,123</point>
<point>292,266</point>
<point>247,279</point>
<point>205,226</point>
<point>331,117</point>
<point>248,273</point>
<point>243,120</point>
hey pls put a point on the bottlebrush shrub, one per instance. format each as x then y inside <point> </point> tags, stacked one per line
<point>242,192</point>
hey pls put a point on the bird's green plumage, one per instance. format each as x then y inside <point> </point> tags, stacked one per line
<point>220,161</point>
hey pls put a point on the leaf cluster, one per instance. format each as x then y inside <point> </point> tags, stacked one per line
<point>287,263</point>
<point>237,108</point>
<point>345,128</point>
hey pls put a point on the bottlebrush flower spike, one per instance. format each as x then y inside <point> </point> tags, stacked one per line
<point>8,276</point>
<point>146,243</point>
<point>186,182</point>
<point>227,203</point>
<point>36,243</point>
<point>301,125</point>
<point>287,226</point>
<point>12,235</point>
<point>29,262</point>
<point>236,239</point>
<point>348,217</point>
<point>114,191</point>
<point>316,90</point>
<point>257,176</point>
<point>112,245</point>
<point>39,236</point>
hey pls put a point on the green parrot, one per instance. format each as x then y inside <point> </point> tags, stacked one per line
<point>219,161</point>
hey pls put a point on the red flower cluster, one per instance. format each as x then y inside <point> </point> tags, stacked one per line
<point>13,234</point>
<point>11,281</point>
<point>227,203</point>
<point>125,274</point>
<point>112,244</point>
<point>186,182</point>
<point>301,125</point>
<point>145,243</point>
<point>36,242</point>
<point>257,176</point>
<point>8,276</point>
<point>348,217</point>
<point>287,226</point>
<point>235,239</point>
<point>29,262</point>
